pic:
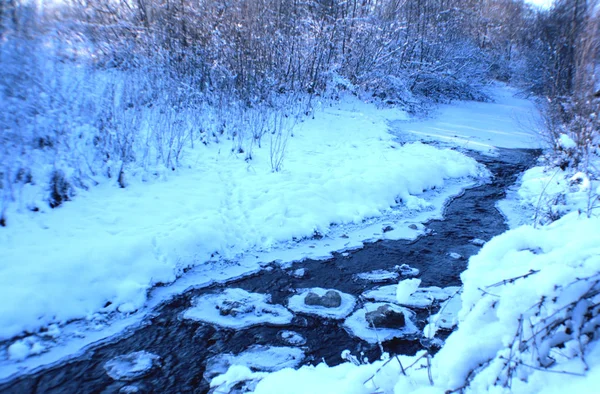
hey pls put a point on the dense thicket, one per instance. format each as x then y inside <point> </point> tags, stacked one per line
<point>103,87</point>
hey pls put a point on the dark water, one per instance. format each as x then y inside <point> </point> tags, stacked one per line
<point>185,345</point>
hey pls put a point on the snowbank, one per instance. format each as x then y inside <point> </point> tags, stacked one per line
<point>102,251</point>
<point>529,323</point>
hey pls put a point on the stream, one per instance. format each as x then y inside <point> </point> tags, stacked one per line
<point>184,346</point>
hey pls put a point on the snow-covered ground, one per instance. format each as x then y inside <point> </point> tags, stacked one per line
<point>506,122</point>
<point>87,270</point>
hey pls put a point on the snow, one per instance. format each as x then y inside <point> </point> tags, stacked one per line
<point>407,270</point>
<point>566,142</point>
<point>358,326</point>
<point>545,193</point>
<point>405,289</point>
<point>507,122</point>
<point>257,357</point>
<point>291,338</point>
<point>131,366</point>
<point>565,252</point>
<point>237,308</point>
<point>447,317</point>
<point>420,298</point>
<point>296,303</point>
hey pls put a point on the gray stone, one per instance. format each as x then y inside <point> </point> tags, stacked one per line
<point>385,317</point>
<point>234,308</point>
<point>331,299</point>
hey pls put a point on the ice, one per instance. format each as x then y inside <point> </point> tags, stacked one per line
<point>405,288</point>
<point>447,317</point>
<point>131,366</point>
<point>477,242</point>
<point>291,338</point>
<point>237,308</point>
<point>422,298</point>
<point>358,326</point>
<point>406,270</point>
<point>297,304</point>
<point>378,276</point>
<point>257,358</point>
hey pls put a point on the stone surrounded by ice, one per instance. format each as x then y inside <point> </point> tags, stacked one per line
<point>291,338</point>
<point>358,326</point>
<point>237,308</point>
<point>407,270</point>
<point>378,276</point>
<point>296,303</point>
<point>422,298</point>
<point>131,366</point>
<point>257,358</point>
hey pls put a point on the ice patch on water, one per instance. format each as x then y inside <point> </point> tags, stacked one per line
<point>131,366</point>
<point>358,326</point>
<point>237,308</point>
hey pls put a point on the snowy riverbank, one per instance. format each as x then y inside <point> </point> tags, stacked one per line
<point>95,258</point>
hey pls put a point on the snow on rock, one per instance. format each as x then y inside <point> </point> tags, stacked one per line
<point>291,338</point>
<point>358,325</point>
<point>237,308</point>
<point>405,289</point>
<point>298,303</point>
<point>378,276</point>
<point>421,298</point>
<point>299,273</point>
<point>407,270</point>
<point>131,366</point>
<point>454,255</point>
<point>257,358</point>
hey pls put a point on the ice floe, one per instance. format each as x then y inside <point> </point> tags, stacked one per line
<point>237,308</point>
<point>131,366</point>
<point>446,318</point>
<point>291,338</point>
<point>378,276</point>
<point>422,297</point>
<point>257,358</point>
